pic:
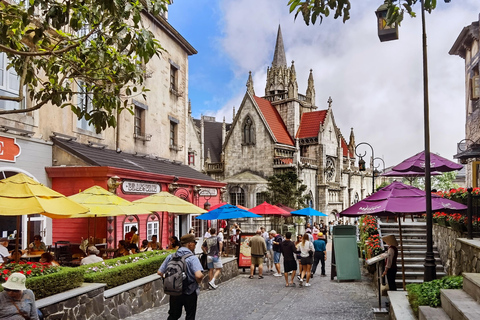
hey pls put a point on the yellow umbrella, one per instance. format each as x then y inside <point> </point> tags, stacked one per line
<point>106,204</point>
<point>21,195</point>
<point>164,201</point>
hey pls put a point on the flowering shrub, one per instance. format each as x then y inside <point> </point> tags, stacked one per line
<point>439,215</point>
<point>459,193</point>
<point>369,239</point>
<point>456,217</point>
<point>29,269</point>
<point>372,245</point>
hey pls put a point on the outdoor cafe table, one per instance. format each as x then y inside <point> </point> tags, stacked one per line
<point>29,256</point>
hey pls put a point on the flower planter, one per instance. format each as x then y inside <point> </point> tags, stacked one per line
<point>442,221</point>
<point>458,226</point>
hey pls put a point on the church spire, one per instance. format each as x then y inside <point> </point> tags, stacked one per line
<point>250,84</point>
<point>311,89</point>
<point>279,58</point>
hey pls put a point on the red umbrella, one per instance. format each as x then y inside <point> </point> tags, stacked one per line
<point>417,164</point>
<point>284,207</point>
<point>224,203</point>
<point>269,209</point>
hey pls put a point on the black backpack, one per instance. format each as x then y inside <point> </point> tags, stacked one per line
<point>175,278</point>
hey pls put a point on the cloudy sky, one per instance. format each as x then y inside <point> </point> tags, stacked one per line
<point>376,87</point>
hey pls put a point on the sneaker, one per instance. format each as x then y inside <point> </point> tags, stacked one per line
<point>298,277</point>
<point>307,284</point>
<point>277,274</point>
<point>212,284</point>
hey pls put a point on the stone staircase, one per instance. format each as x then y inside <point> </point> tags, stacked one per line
<point>414,235</point>
<point>457,304</point>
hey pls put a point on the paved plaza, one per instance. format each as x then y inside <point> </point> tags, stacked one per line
<point>268,299</point>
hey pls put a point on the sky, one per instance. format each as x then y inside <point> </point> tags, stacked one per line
<point>376,88</point>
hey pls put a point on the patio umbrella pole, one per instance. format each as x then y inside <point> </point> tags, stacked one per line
<point>401,246</point>
<point>17,258</point>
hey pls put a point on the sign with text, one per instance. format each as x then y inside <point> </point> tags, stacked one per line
<point>9,149</point>
<point>245,254</point>
<point>129,186</point>
<point>207,192</point>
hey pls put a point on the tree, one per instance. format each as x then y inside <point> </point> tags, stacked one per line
<point>93,48</point>
<point>314,10</point>
<point>443,181</point>
<point>287,189</point>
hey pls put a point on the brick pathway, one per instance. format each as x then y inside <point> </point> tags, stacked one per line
<point>267,299</point>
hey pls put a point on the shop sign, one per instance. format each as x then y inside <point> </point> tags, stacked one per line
<point>140,187</point>
<point>208,192</point>
<point>9,149</point>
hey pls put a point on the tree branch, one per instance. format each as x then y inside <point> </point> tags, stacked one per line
<point>38,106</point>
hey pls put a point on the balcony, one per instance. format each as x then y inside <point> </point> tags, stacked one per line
<point>283,162</point>
<point>215,167</point>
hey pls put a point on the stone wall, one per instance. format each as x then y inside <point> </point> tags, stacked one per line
<point>457,254</point>
<point>92,302</point>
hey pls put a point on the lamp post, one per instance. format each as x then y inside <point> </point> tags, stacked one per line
<point>361,162</point>
<point>430,272</point>
<point>375,167</point>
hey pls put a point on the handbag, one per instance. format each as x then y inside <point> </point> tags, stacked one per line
<point>310,253</point>
<point>203,261</point>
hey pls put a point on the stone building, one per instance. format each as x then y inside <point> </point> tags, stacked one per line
<point>286,130</point>
<point>148,150</point>
<point>467,46</point>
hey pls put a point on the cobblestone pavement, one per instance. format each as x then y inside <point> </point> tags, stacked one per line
<point>268,299</point>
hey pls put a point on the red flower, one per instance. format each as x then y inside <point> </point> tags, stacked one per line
<point>5,271</point>
<point>21,271</point>
<point>34,266</point>
<point>29,272</point>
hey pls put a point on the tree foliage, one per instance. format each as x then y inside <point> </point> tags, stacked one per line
<point>287,189</point>
<point>443,181</point>
<point>315,10</point>
<point>64,48</point>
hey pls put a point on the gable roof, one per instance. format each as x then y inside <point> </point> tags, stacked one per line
<point>213,138</point>
<point>110,158</point>
<point>274,121</point>
<point>346,152</point>
<point>310,124</point>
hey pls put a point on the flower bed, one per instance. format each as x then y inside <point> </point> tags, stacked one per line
<point>119,271</point>
<point>369,238</point>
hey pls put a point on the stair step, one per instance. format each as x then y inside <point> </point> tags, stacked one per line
<point>459,305</point>
<point>420,266</point>
<point>418,274</point>
<point>471,285</point>
<point>429,313</point>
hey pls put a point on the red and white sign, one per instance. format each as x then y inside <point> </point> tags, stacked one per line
<point>9,149</point>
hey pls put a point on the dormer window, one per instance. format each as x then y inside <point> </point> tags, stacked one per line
<point>248,131</point>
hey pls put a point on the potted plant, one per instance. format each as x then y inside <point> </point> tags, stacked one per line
<point>457,222</point>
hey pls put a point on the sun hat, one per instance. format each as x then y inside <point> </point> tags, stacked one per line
<point>390,240</point>
<point>16,281</point>
<point>187,238</point>
<point>320,234</point>
<point>93,249</point>
<point>3,239</point>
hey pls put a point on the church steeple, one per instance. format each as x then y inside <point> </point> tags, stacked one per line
<point>311,89</point>
<point>279,58</point>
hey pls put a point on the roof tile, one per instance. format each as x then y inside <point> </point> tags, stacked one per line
<point>310,124</point>
<point>274,121</point>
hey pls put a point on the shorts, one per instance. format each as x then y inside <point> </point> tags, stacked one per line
<point>306,260</point>
<point>289,265</point>
<point>214,262</point>
<point>276,256</point>
<point>270,256</point>
<point>257,261</point>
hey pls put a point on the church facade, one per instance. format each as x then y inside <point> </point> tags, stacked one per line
<point>279,131</point>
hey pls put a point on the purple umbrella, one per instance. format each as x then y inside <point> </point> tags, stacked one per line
<point>407,174</point>
<point>398,198</point>
<point>417,164</point>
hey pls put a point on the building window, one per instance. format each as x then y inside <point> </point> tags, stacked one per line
<point>475,84</point>
<point>260,198</point>
<point>127,226</point>
<point>191,158</point>
<point>173,78</point>
<point>237,196</point>
<point>173,134</point>
<point>152,229</point>
<point>248,131</point>
<point>85,103</point>
<point>476,174</point>
<point>9,85</point>
<point>139,121</point>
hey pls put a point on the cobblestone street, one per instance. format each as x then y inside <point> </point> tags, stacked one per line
<point>268,299</point>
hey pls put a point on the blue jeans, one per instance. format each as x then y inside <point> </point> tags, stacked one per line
<point>276,256</point>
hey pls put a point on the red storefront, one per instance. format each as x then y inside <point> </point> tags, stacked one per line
<point>118,172</point>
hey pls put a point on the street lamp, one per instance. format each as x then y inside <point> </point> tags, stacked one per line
<point>361,162</point>
<point>430,272</point>
<point>375,167</point>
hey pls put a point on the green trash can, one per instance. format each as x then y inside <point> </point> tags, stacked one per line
<point>345,263</point>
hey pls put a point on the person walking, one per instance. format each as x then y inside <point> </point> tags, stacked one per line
<point>277,240</point>
<point>258,251</point>
<point>391,261</point>
<point>320,254</point>
<point>306,252</point>
<point>269,243</point>
<point>289,264</point>
<point>194,276</point>
<point>213,247</point>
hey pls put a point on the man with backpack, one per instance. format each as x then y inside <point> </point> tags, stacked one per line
<point>213,247</point>
<point>182,272</point>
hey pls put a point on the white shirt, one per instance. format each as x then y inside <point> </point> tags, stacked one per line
<point>305,248</point>
<point>90,259</point>
<point>220,236</point>
<point>3,253</point>
<point>207,235</point>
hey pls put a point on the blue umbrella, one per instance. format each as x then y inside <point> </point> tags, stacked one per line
<point>227,211</point>
<point>309,212</point>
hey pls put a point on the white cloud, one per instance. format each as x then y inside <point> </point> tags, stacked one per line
<point>377,88</point>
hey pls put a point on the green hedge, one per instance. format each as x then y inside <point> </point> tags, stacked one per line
<point>65,279</point>
<point>115,275</point>
<point>428,293</point>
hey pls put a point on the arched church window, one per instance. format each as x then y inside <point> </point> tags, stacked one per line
<point>237,196</point>
<point>248,131</point>
<point>330,169</point>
